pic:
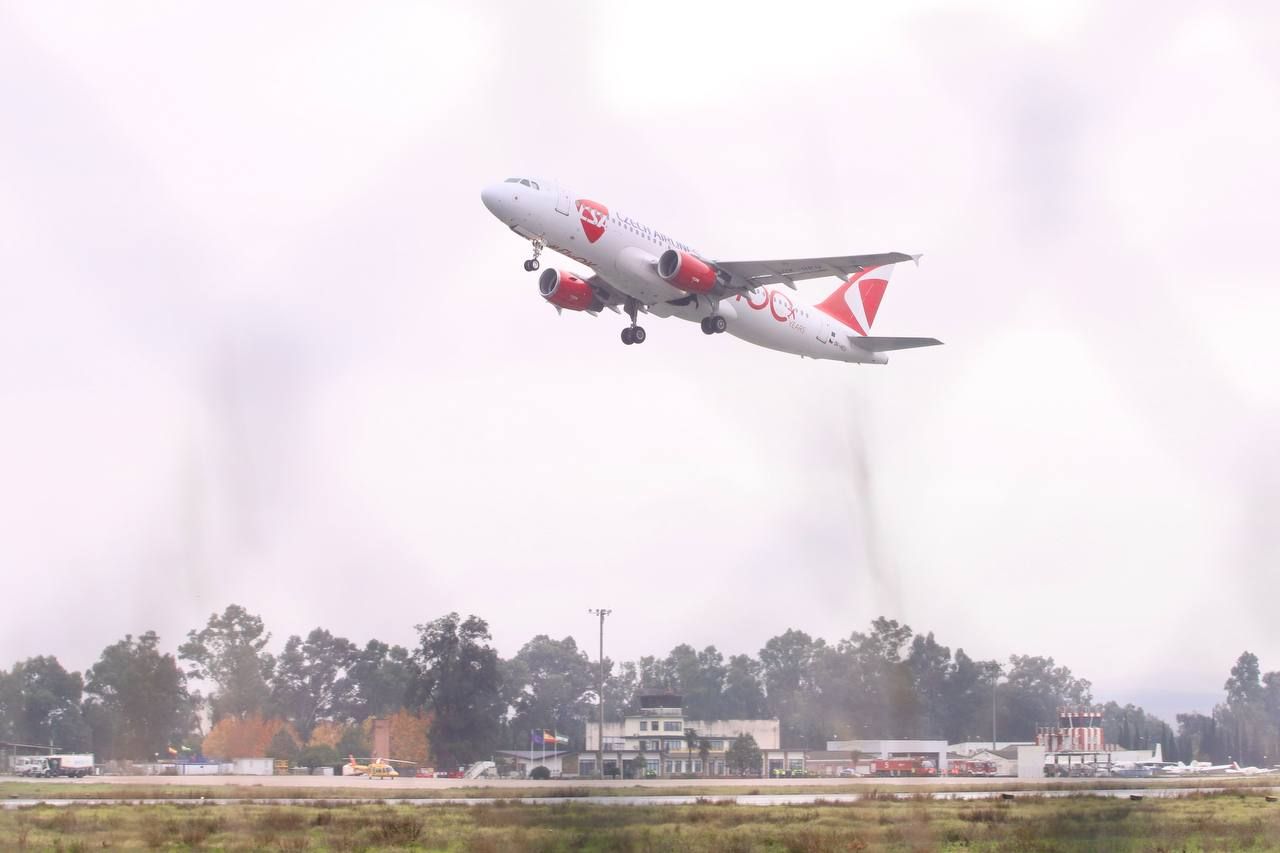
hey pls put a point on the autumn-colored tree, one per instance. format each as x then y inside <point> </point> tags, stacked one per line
<point>244,738</point>
<point>327,733</point>
<point>409,738</point>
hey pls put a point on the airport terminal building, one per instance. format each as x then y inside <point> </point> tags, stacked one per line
<point>654,738</point>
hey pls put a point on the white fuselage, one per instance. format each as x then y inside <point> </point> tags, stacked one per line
<point>624,252</point>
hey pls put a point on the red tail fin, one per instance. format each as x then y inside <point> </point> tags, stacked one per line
<point>872,282</point>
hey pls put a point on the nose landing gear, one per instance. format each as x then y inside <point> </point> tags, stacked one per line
<point>533,264</point>
<point>633,334</point>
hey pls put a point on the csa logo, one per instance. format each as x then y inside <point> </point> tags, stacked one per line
<point>594,216</point>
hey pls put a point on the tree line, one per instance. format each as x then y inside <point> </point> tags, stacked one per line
<point>453,699</point>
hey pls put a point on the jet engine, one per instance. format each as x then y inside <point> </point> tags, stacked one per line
<point>566,290</point>
<point>685,271</point>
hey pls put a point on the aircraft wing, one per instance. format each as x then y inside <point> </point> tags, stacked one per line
<point>745,275</point>
<point>608,294</point>
<point>874,344</point>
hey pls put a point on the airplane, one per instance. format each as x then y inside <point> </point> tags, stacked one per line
<point>1236,769</point>
<point>1195,768</point>
<point>637,268</point>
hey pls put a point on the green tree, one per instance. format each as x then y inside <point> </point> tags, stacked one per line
<point>377,682</point>
<point>690,745</point>
<point>137,702</point>
<point>1032,693</point>
<point>704,753</point>
<point>319,755</point>
<point>929,667</point>
<point>40,704</point>
<point>697,676</point>
<point>743,697</point>
<point>283,745</point>
<point>744,757</point>
<point>1244,687</point>
<point>1133,728</point>
<point>967,698</point>
<point>547,685</point>
<point>231,652</point>
<point>459,682</point>
<point>883,694</point>
<point>787,662</point>
<point>353,743</point>
<point>308,676</point>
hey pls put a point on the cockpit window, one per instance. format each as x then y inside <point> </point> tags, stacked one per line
<point>512,181</point>
<point>533,184</point>
<point>524,181</point>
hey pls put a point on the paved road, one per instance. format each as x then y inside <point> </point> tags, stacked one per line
<point>780,799</point>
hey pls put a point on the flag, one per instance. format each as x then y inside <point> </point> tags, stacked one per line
<point>173,751</point>
<point>548,736</point>
<point>535,737</point>
<point>561,739</point>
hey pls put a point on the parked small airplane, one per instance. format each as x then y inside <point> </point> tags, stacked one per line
<point>639,269</point>
<point>1195,768</point>
<point>1236,769</point>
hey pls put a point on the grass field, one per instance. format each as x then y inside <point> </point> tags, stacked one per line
<point>1195,822</point>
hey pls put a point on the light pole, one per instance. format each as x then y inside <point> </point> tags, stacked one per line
<point>995,679</point>
<point>601,612</point>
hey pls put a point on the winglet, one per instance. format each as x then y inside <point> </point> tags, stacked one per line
<point>916,258</point>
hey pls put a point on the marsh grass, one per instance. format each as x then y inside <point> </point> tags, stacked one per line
<point>1030,823</point>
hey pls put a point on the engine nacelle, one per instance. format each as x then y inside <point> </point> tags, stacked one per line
<point>685,271</point>
<point>566,290</point>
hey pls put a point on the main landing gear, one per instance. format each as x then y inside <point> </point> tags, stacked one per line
<point>532,264</point>
<point>632,334</point>
<point>713,325</point>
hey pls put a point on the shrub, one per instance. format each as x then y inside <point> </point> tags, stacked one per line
<point>318,755</point>
<point>398,831</point>
<point>540,772</point>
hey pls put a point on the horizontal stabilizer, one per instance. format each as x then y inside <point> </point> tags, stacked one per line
<point>890,344</point>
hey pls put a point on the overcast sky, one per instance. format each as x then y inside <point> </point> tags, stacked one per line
<point>261,343</point>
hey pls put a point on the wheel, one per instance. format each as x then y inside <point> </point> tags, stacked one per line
<point>718,324</point>
<point>627,337</point>
<point>528,266</point>
<point>534,264</point>
<point>706,326</point>
<point>637,334</point>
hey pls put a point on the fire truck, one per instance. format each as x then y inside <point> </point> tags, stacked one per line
<point>903,767</point>
<point>970,767</point>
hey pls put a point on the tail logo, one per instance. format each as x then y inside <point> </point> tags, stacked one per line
<point>594,216</point>
<point>870,291</point>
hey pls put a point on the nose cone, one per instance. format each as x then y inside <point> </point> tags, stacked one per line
<point>497,198</point>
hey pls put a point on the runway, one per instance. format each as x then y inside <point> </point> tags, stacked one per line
<point>411,783</point>
<point>657,800</point>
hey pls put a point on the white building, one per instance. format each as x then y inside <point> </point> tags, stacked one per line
<point>969,748</point>
<point>934,750</point>
<point>655,735</point>
<point>525,760</point>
